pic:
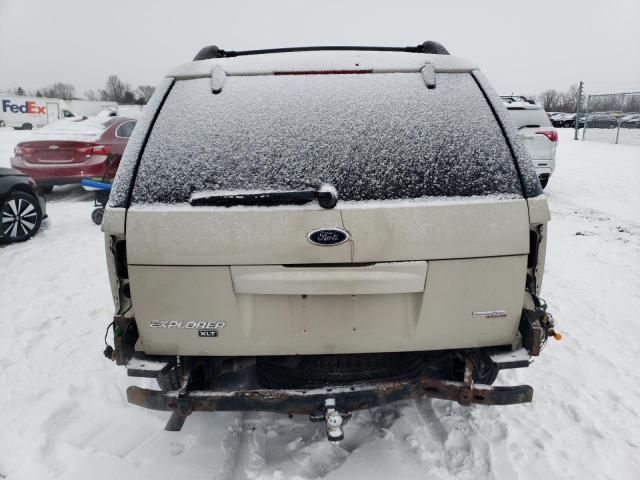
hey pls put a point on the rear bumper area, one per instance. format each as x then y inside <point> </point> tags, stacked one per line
<point>236,387</point>
<point>59,181</point>
<point>348,398</point>
<point>61,174</point>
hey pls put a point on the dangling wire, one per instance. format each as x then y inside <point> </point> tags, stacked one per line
<point>107,333</point>
<point>108,351</point>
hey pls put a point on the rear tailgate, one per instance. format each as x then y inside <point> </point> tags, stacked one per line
<point>539,146</point>
<point>430,201</point>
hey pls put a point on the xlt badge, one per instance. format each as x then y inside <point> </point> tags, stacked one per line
<point>207,333</point>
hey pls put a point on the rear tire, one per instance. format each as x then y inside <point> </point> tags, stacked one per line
<point>20,217</point>
<point>27,126</point>
<point>320,370</point>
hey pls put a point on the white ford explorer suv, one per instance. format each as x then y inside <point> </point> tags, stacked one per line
<point>319,230</point>
<point>540,138</point>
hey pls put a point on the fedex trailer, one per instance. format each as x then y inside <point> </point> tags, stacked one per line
<point>28,112</point>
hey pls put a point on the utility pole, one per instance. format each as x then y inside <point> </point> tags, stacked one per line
<point>578,107</point>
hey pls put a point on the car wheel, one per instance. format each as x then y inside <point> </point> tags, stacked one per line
<point>27,126</point>
<point>46,188</point>
<point>544,181</point>
<point>20,217</point>
<point>97,215</point>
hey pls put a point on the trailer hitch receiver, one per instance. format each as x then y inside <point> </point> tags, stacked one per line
<point>333,419</point>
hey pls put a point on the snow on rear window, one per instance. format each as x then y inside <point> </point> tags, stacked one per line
<point>373,137</point>
<point>529,118</point>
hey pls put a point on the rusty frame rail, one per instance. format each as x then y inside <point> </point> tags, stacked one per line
<point>349,398</point>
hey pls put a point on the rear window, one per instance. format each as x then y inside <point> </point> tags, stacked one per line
<point>529,118</point>
<point>125,129</point>
<point>371,136</point>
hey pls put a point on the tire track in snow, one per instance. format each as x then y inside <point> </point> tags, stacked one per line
<point>233,443</point>
<point>455,440</point>
<point>246,446</point>
<point>269,445</point>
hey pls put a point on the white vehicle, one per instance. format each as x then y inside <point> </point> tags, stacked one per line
<point>540,138</point>
<point>89,108</point>
<point>131,111</point>
<point>28,112</point>
<point>318,230</point>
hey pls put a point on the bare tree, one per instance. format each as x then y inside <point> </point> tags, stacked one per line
<point>116,90</point>
<point>549,100</point>
<point>129,98</point>
<point>569,99</point>
<point>59,90</point>
<point>91,95</point>
<point>632,103</point>
<point>145,92</point>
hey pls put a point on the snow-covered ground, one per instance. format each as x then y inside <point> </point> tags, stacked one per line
<point>64,414</point>
<point>8,140</point>
<point>626,136</point>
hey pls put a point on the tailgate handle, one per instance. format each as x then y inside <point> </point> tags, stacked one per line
<point>380,278</point>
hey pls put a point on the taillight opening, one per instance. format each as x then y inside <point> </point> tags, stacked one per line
<point>122,268</point>
<point>552,135</point>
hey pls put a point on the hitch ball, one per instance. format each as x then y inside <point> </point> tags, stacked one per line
<point>333,421</point>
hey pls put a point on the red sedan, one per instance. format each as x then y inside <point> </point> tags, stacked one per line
<point>70,150</point>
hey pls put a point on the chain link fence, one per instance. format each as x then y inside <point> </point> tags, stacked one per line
<point>612,118</point>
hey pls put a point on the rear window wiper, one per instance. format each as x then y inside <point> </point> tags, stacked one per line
<point>326,196</point>
<point>528,126</point>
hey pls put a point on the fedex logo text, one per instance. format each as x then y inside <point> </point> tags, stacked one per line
<point>27,107</point>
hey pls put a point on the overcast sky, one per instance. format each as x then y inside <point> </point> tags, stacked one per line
<point>523,47</point>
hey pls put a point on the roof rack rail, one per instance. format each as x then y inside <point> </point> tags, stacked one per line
<point>212,51</point>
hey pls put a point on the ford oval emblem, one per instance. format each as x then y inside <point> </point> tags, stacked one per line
<point>327,237</point>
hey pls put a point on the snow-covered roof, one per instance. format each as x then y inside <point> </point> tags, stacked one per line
<point>81,129</point>
<point>323,61</point>
<point>523,106</point>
